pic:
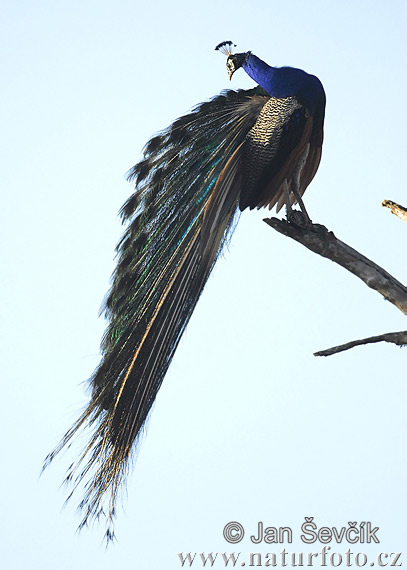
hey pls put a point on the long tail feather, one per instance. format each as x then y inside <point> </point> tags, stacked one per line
<point>182,212</point>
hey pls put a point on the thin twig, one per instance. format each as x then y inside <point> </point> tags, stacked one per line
<point>320,240</point>
<point>396,209</point>
<point>399,338</point>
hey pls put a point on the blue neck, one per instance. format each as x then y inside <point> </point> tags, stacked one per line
<point>285,81</point>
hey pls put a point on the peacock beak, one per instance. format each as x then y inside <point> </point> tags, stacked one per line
<point>230,67</point>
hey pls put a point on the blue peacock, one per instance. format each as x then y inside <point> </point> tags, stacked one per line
<point>243,149</point>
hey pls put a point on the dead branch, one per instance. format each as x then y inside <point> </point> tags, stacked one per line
<point>320,240</point>
<point>396,209</point>
<point>399,338</point>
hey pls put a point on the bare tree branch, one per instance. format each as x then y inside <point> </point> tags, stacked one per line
<point>399,338</point>
<point>396,209</point>
<point>318,239</point>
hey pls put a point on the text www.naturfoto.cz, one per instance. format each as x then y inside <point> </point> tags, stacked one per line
<point>323,558</point>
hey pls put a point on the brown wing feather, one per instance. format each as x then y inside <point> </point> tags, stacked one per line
<point>313,160</point>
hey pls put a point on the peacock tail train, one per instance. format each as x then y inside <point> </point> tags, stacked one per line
<point>183,209</point>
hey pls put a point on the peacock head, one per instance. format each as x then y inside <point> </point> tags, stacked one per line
<point>234,60</point>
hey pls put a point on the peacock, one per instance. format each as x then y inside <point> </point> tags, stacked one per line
<point>243,149</point>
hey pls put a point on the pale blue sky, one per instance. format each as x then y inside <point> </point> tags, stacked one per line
<point>248,425</point>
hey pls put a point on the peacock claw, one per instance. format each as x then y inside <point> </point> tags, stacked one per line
<point>299,218</point>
